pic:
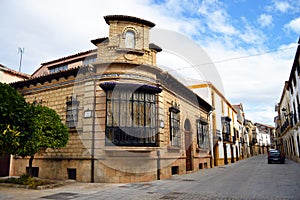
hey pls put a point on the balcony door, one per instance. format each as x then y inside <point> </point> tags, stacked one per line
<point>188,145</point>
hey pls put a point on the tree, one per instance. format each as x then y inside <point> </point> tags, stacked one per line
<point>25,129</point>
<point>46,131</point>
<point>12,118</point>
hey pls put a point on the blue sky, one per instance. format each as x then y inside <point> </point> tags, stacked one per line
<point>227,29</point>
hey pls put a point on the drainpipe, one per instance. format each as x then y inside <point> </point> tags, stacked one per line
<point>93,136</point>
<point>158,164</point>
<point>90,70</point>
<point>212,134</point>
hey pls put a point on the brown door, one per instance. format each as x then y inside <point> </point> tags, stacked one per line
<point>225,154</point>
<point>188,146</point>
<point>188,149</point>
<point>4,165</point>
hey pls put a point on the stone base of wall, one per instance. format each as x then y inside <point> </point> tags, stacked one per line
<point>56,169</point>
<point>202,163</point>
<point>111,169</point>
<point>295,158</point>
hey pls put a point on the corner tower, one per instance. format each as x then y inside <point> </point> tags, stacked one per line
<point>128,41</point>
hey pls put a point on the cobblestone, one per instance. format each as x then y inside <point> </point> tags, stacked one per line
<point>247,179</point>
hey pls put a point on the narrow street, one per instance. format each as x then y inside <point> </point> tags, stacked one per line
<point>252,178</point>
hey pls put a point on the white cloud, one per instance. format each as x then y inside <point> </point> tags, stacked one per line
<point>216,17</point>
<point>255,81</point>
<point>282,6</point>
<point>265,20</point>
<point>293,25</point>
<point>251,35</point>
<point>52,29</point>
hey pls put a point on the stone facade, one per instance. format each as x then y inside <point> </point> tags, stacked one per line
<point>157,130</point>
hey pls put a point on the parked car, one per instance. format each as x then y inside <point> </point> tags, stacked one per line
<point>275,156</point>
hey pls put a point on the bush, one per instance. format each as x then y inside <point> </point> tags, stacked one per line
<point>25,180</point>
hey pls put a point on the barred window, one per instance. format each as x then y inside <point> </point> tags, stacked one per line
<point>72,112</point>
<point>131,118</point>
<point>202,134</point>
<point>58,69</point>
<point>174,127</point>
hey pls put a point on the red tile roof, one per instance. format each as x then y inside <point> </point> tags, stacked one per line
<point>14,72</point>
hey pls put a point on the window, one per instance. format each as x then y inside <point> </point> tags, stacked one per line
<point>71,173</point>
<point>174,127</point>
<point>131,118</point>
<point>58,69</point>
<point>226,128</point>
<point>175,170</point>
<point>72,112</point>
<point>89,60</point>
<point>34,171</point>
<point>130,39</point>
<point>202,134</point>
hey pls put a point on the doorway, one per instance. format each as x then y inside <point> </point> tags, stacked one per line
<point>225,153</point>
<point>188,145</point>
<point>216,154</point>
<point>4,165</point>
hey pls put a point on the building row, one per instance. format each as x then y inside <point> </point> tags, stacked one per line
<point>287,122</point>
<point>129,120</point>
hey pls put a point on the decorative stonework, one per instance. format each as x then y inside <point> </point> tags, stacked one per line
<point>87,153</point>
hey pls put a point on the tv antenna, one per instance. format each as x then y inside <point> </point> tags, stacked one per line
<point>21,51</point>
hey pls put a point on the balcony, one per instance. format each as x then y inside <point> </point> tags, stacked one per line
<point>226,137</point>
<point>284,126</point>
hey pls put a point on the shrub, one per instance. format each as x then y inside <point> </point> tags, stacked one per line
<point>25,180</point>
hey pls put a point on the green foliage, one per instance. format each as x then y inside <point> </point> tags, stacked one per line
<point>9,140</point>
<point>26,128</point>
<point>46,131</point>
<point>12,105</point>
<point>12,118</point>
<point>25,180</point>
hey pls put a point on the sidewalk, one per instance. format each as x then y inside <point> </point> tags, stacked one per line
<point>66,191</point>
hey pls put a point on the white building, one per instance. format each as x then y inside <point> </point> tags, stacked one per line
<point>224,125</point>
<point>8,75</point>
<point>264,137</point>
<point>288,108</point>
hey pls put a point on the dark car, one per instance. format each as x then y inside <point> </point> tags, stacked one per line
<point>275,156</point>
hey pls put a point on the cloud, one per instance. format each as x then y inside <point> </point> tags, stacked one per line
<point>265,20</point>
<point>251,35</point>
<point>293,25</point>
<point>217,18</point>
<point>282,6</point>
<point>51,29</point>
<point>255,81</point>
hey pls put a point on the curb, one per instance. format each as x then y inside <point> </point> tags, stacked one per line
<point>41,187</point>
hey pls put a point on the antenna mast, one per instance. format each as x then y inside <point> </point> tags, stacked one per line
<point>21,51</point>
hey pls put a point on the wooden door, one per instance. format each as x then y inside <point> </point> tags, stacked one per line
<point>188,145</point>
<point>188,149</point>
<point>4,165</point>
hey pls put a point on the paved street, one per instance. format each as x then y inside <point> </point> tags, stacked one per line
<point>247,179</point>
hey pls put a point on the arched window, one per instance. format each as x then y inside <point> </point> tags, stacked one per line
<point>130,39</point>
